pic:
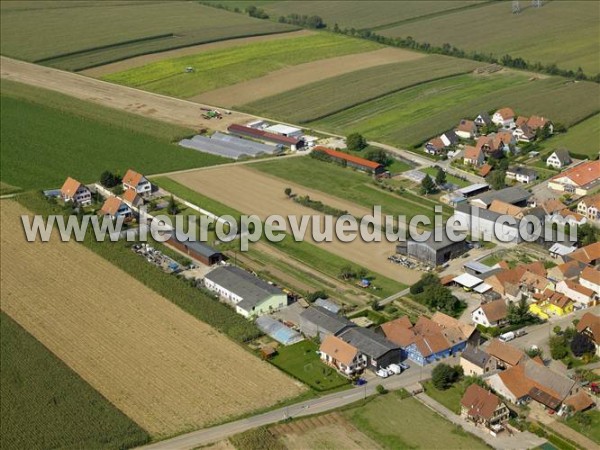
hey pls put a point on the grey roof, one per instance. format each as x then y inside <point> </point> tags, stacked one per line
<point>562,154</point>
<point>368,342</point>
<point>452,136</point>
<point>476,356</point>
<point>328,305</point>
<point>485,117</point>
<point>278,331</point>
<point>325,319</point>
<point>520,170</point>
<point>438,244</point>
<point>198,247</point>
<point>252,289</point>
<point>472,188</point>
<point>510,195</point>
<point>476,266</point>
<point>486,214</point>
<point>228,146</point>
<point>547,378</point>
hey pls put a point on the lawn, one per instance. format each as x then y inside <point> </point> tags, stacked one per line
<point>411,116</point>
<point>450,398</point>
<point>396,423</point>
<point>78,35</point>
<point>47,137</point>
<point>225,67</point>
<point>47,405</point>
<point>332,95</point>
<point>592,430</point>
<point>432,171</point>
<point>302,362</point>
<point>581,139</point>
<point>572,42</point>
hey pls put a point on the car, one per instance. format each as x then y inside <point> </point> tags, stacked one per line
<point>394,369</point>
<point>360,382</point>
<point>383,373</point>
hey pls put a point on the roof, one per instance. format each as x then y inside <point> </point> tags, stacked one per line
<point>328,305</point>
<point>552,205</point>
<point>468,280</point>
<point>563,155</point>
<point>536,122</point>
<point>472,152</point>
<point>325,319</point>
<point>582,174</point>
<point>70,187</point>
<point>480,402</point>
<point>466,125</point>
<point>495,310</point>
<point>521,120</point>
<point>477,266</point>
<point>282,129</point>
<point>587,254</point>
<point>574,286</point>
<point>131,196</point>
<point>590,322</point>
<point>570,269</point>
<point>500,207</point>
<point>485,169</point>
<point>369,343</point>
<point>278,331</point>
<point>520,170</point>
<point>475,356</point>
<point>482,288</point>
<point>592,200</point>
<point>437,142</point>
<point>485,117</point>
<point>579,402</point>
<point>472,188</point>
<point>438,244</point>
<point>591,274</point>
<point>132,178</point>
<point>347,157</point>
<point>510,195</point>
<point>505,352</point>
<point>198,247</point>
<point>447,322</point>
<point>251,289</point>
<point>338,349</point>
<point>548,380</point>
<point>399,331</point>
<point>506,113</point>
<point>260,134</point>
<point>553,297</point>
<point>111,206</point>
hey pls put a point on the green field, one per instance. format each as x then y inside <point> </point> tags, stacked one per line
<point>564,33</point>
<point>225,67</point>
<point>396,423</point>
<point>582,139</point>
<point>450,397</point>
<point>411,116</point>
<point>48,136</point>
<point>326,97</point>
<point>432,171</point>
<point>592,430</point>
<point>78,35</point>
<point>47,405</point>
<point>302,362</point>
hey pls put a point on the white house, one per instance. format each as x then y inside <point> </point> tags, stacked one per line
<point>115,207</point>
<point>504,117</point>
<point>576,292</point>
<point>473,156</point>
<point>482,120</point>
<point>521,174</point>
<point>590,278</point>
<point>590,207</point>
<point>579,180</point>
<point>559,159</point>
<point>491,314</point>
<point>73,191</point>
<point>466,129</point>
<point>138,182</point>
<point>343,356</point>
<point>449,138</point>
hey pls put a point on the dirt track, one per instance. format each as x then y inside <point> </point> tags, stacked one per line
<point>160,107</point>
<point>296,76</point>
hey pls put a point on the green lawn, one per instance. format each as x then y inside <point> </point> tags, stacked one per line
<point>47,405</point>
<point>302,362</point>
<point>76,35</point>
<point>592,430</point>
<point>219,68</point>
<point>581,139</point>
<point>432,171</point>
<point>411,116</point>
<point>47,137</point>
<point>395,423</point>
<point>450,397</point>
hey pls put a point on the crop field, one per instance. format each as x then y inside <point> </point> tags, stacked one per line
<point>332,95</point>
<point>581,139</point>
<point>411,116</point>
<point>219,68</point>
<point>78,35</point>
<point>47,405</point>
<point>572,42</point>
<point>65,136</point>
<point>153,361</point>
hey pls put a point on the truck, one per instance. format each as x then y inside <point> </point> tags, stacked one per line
<point>506,337</point>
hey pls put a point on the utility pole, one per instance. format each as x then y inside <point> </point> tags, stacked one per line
<point>516,7</point>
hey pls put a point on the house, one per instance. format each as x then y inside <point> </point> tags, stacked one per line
<point>559,158</point>
<point>488,146</point>
<point>349,160</point>
<point>316,321</point>
<point>590,207</point>
<point>523,133</point>
<point>449,138</point>
<point>552,205</point>
<point>578,180</point>
<point>532,283</point>
<point>115,207</point>
<point>579,402</point>
<point>581,295</point>
<point>196,250</point>
<point>485,170</point>
<point>590,326</point>
<point>473,156</point>
<point>132,198</point>
<point>378,351</point>
<point>483,119</point>
<point>550,303</point>
<point>435,251</point>
<point>435,147</point>
<point>567,217</point>
<point>514,195</point>
<point>507,282</point>
<point>466,129</point>
<point>490,314</point>
<point>137,182</point>
<point>504,117</point>
<point>537,122</point>
<point>294,143</point>
<point>590,278</point>
<point>521,174</point>
<point>590,254</point>
<point>503,139</point>
<point>566,271</point>
<point>480,406</point>
<point>504,355</point>
<point>346,358</point>
<point>476,362</point>
<point>73,191</point>
<point>559,251</point>
<point>248,294</point>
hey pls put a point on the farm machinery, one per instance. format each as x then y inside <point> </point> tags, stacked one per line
<point>211,114</point>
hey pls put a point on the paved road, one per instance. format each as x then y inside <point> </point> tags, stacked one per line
<point>395,296</point>
<point>315,406</point>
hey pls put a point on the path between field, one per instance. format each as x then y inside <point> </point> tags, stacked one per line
<point>563,430</point>
<point>296,76</point>
<point>142,60</point>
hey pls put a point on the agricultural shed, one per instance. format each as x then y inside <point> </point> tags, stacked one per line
<point>467,280</point>
<point>482,288</point>
<point>228,146</point>
<point>473,189</point>
<point>328,305</point>
<point>196,250</point>
<point>278,331</point>
<point>284,130</point>
<point>240,130</point>
<point>476,268</point>
<point>433,251</point>
<point>352,161</point>
<point>316,321</point>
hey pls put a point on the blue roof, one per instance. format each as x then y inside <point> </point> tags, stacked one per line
<point>278,331</point>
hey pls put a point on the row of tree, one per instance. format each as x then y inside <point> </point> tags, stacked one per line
<point>430,292</point>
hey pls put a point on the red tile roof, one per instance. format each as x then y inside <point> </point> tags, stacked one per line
<point>131,196</point>
<point>582,174</point>
<point>70,187</point>
<point>467,125</point>
<point>505,352</point>
<point>495,310</point>
<point>111,206</point>
<point>263,134</point>
<point>485,169</point>
<point>591,274</point>
<point>472,152</point>
<point>350,158</point>
<point>506,113</point>
<point>480,402</point>
<point>132,178</point>
<point>579,402</point>
<point>592,322</point>
<point>587,254</point>
<point>338,350</point>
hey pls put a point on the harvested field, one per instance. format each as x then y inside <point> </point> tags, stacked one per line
<point>153,361</point>
<point>294,77</point>
<point>253,192</point>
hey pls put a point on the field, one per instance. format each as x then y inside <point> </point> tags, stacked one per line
<point>450,397</point>
<point>326,97</point>
<point>219,68</point>
<point>301,361</point>
<point>581,139</point>
<point>153,361</point>
<point>592,430</point>
<point>411,116</point>
<point>78,35</point>
<point>47,405</point>
<point>572,43</point>
<point>65,136</point>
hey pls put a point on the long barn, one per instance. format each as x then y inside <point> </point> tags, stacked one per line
<point>352,161</point>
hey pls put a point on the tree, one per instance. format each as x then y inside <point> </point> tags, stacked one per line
<point>172,207</point>
<point>581,345</point>
<point>378,155</point>
<point>109,179</point>
<point>440,177</point>
<point>518,314</point>
<point>427,185</point>
<point>288,192</point>
<point>496,179</point>
<point>443,375</point>
<point>426,279</point>
<point>355,142</point>
<point>347,273</point>
<point>313,296</point>
<point>558,347</point>
<point>381,390</point>
<point>587,234</point>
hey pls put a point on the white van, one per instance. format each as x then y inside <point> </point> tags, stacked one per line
<point>507,336</point>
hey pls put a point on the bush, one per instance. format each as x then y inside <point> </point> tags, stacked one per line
<point>582,345</point>
<point>313,296</point>
<point>355,142</point>
<point>381,390</point>
<point>443,375</point>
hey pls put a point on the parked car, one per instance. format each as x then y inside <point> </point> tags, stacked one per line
<point>360,382</point>
<point>394,369</point>
<point>383,373</point>
<point>506,337</point>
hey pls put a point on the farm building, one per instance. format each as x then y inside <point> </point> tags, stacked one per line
<point>197,250</point>
<point>378,351</point>
<point>578,180</point>
<point>513,195</point>
<point>229,146</point>
<point>278,331</point>
<point>73,191</point>
<point>473,189</point>
<point>317,321</point>
<point>352,161</point>
<point>250,295</point>
<point>284,130</point>
<point>434,251</point>
<point>137,182</point>
<point>328,305</point>
<point>240,130</point>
